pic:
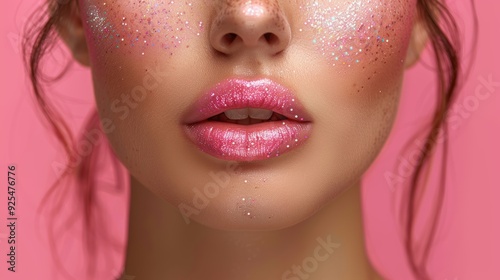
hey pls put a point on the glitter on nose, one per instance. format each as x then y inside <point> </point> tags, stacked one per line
<point>253,10</point>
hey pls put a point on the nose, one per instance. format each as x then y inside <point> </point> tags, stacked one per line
<point>258,25</point>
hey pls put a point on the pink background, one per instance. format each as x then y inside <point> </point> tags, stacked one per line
<point>467,246</point>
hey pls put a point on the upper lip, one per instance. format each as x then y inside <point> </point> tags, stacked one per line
<point>236,93</point>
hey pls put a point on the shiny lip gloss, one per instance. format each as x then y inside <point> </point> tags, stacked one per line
<point>238,142</point>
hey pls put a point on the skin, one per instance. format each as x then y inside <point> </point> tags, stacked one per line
<point>293,199</point>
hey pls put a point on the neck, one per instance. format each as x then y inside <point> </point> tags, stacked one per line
<point>328,245</point>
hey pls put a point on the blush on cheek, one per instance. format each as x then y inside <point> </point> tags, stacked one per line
<point>135,26</point>
<point>352,32</point>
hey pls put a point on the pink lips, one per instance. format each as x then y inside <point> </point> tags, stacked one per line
<point>232,141</point>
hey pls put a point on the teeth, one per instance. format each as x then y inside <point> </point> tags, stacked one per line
<point>237,114</point>
<point>260,114</point>
<point>254,113</point>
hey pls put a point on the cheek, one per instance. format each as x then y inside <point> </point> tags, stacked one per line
<point>349,33</point>
<point>357,64</point>
<point>134,27</point>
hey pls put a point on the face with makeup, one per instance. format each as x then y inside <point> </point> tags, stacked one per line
<point>160,66</point>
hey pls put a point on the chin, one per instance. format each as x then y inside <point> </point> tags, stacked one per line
<point>254,210</point>
<point>266,196</point>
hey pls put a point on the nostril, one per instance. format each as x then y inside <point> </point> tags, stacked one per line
<point>271,38</point>
<point>228,39</point>
<point>255,25</point>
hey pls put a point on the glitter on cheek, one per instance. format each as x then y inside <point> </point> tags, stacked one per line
<point>138,25</point>
<point>349,33</point>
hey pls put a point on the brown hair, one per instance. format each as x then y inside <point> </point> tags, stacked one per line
<point>443,35</point>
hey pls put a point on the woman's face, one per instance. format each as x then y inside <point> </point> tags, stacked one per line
<point>247,114</point>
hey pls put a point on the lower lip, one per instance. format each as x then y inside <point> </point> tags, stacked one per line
<point>229,141</point>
